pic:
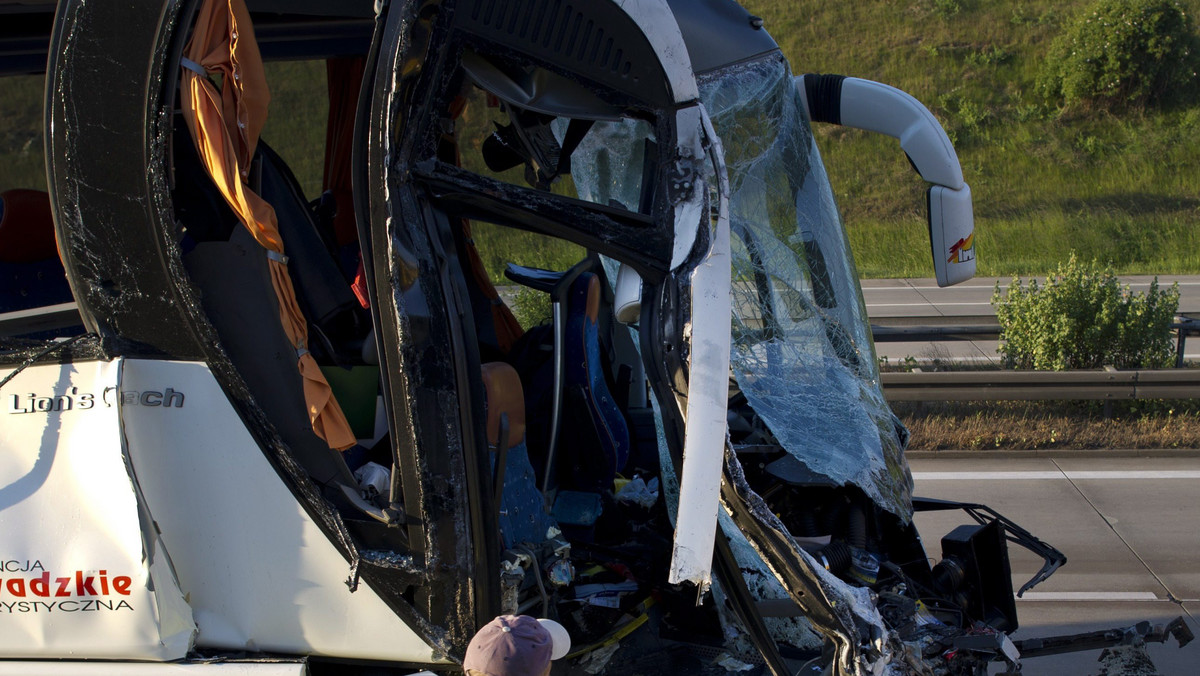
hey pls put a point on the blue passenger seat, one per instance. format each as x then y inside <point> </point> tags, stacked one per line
<point>523,517</point>
<point>588,394</point>
<point>587,443</point>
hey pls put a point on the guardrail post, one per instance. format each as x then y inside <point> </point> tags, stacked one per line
<point>1108,402</point>
<point>1179,344</point>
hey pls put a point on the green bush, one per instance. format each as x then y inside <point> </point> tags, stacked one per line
<point>1122,53</point>
<point>1084,318</point>
<point>531,307</point>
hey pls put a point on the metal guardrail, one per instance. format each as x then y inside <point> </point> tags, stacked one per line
<point>1183,327</point>
<point>915,333</point>
<point>1110,385</point>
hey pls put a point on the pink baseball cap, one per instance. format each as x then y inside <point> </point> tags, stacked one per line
<point>516,645</point>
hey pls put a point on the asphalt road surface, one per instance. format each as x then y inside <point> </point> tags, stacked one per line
<point>922,298</point>
<point>1130,528</point>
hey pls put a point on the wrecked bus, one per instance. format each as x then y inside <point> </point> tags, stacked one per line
<point>305,436</point>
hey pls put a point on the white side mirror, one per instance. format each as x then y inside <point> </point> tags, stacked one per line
<point>872,106</point>
<point>952,234</point>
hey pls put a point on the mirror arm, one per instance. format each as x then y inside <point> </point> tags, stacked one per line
<point>873,106</point>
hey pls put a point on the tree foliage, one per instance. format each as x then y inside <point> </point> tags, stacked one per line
<point>1122,53</point>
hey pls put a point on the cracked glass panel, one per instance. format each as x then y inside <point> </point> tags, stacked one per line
<point>802,351</point>
<point>609,165</point>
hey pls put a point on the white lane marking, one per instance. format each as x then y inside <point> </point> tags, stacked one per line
<point>1093,475</point>
<point>985,476</point>
<point>896,355</point>
<point>1089,596</point>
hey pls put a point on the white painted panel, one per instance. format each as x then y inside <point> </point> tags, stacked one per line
<point>691,212</point>
<point>662,31</point>
<point>77,577</point>
<point>259,572</point>
<point>708,396</point>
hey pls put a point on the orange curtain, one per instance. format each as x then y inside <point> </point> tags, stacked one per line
<point>225,126</point>
<point>508,329</point>
<point>344,75</point>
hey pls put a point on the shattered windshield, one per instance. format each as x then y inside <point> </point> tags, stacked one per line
<point>802,352</point>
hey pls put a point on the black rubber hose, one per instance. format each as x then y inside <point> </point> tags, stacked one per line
<point>835,556</point>
<point>808,525</point>
<point>833,516</point>
<point>824,94</point>
<point>857,528</point>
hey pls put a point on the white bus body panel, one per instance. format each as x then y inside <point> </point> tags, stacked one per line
<point>662,31</point>
<point>258,573</point>
<point>79,576</point>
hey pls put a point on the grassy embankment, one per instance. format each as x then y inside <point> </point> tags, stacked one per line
<point>1124,189</point>
<point>1120,188</point>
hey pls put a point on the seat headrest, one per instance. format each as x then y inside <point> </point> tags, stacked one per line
<point>504,395</point>
<point>627,302</point>
<point>26,227</point>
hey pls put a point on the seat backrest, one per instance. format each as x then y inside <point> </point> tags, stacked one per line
<point>588,395</point>
<point>231,271</point>
<point>239,300</point>
<point>523,515</point>
<point>324,292</point>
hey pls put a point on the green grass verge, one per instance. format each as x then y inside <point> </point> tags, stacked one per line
<point>1124,189</point>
